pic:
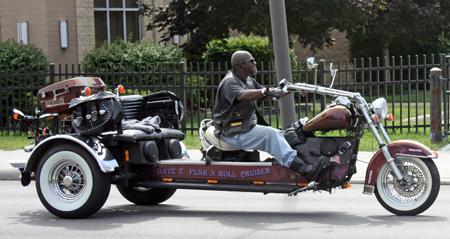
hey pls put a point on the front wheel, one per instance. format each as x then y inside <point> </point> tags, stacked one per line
<point>415,193</point>
<point>70,183</point>
<point>146,196</point>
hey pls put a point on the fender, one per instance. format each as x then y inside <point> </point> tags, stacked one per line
<point>101,154</point>
<point>397,148</point>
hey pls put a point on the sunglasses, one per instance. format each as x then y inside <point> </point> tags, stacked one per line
<point>252,60</point>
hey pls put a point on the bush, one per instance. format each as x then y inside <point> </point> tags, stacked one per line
<point>123,56</point>
<point>221,50</point>
<point>15,59</point>
<point>127,53</point>
<point>13,54</point>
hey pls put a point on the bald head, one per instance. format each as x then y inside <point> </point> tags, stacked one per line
<point>240,56</point>
<point>243,64</point>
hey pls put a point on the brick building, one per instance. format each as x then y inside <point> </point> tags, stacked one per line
<point>91,22</point>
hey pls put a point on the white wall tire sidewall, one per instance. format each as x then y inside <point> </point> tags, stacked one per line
<point>417,204</point>
<point>44,184</point>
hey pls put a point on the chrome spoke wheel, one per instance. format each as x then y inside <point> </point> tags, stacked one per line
<point>410,189</point>
<point>67,181</point>
<point>412,195</point>
<point>70,183</point>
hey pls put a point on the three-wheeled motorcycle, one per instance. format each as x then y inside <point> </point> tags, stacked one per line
<point>134,143</point>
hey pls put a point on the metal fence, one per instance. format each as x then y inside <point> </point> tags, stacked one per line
<point>403,81</point>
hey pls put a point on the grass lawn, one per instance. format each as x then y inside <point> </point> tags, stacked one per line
<point>368,142</point>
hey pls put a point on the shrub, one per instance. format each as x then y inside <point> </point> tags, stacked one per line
<point>13,54</point>
<point>123,56</point>
<point>221,50</point>
<point>15,59</point>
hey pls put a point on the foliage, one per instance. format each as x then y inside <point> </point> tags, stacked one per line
<point>14,55</point>
<point>309,22</point>
<point>367,45</point>
<point>121,57</point>
<point>17,58</point>
<point>406,27</point>
<point>221,50</point>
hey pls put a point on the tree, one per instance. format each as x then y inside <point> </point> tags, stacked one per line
<point>309,21</point>
<point>408,22</point>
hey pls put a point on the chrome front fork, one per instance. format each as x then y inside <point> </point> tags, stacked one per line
<point>383,147</point>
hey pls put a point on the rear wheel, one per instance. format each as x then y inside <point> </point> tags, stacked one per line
<point>146,196</point>
<point>70,183</point>
<point>412,195</point>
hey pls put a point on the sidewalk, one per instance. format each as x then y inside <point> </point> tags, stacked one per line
<point>7,172</point>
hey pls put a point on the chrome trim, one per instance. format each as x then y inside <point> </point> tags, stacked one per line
<point>432,156</point>
<point>18,163</point>
<point>216,163</point>
<point>180,162</point>
<point>241,163</point>
<point>104,158</point>
<point>368,189</point>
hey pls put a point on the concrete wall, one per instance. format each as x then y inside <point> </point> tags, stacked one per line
<point>59,10</point>
<point>85,27</point>
<point>34,12</point>
<point>43,18</point>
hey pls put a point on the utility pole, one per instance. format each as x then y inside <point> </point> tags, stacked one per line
<point>282,60</point>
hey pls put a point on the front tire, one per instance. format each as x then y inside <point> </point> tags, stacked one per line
<point>70,183</point>
<point>146,196</point>
<point>413,195</point>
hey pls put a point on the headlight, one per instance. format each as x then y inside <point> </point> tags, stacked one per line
<point>380,107</point>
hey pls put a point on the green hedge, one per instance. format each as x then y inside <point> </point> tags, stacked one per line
<point>221,50</point>
<point>17,58</point>
<point>121,56</point>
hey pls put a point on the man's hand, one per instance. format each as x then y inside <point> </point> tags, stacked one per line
<point>274,93</point>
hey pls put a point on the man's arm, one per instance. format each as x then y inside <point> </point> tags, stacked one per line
<point>252,95</point>
<point>249,95</point>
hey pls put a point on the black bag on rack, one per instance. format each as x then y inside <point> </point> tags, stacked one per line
<point>92,115</point>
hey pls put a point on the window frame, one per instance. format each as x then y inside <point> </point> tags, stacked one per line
<point>124,11</point>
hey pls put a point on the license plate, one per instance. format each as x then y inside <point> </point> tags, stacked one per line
<point>54,102</point>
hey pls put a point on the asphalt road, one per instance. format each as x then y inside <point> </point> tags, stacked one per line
<point>346,213</point>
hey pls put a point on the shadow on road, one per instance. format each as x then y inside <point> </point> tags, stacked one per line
<point>114,217</point>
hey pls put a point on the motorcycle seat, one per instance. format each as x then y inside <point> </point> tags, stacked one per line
<point>211,139</point>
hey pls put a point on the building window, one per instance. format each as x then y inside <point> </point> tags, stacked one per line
<point>116,18</point>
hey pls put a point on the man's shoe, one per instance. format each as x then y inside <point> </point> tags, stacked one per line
<point>310,172</point>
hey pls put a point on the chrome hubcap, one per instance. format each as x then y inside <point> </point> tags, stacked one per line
<point>67,181</point>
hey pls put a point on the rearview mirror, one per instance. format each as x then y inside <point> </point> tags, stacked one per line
<point>310,63</point>
<point>331,69</point>
<point>333,73</point>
